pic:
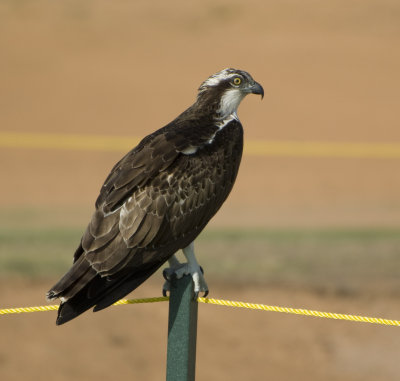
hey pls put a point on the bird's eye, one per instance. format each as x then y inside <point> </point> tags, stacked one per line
<point>237,81</point>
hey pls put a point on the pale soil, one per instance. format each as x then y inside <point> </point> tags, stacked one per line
<point>129,342</point>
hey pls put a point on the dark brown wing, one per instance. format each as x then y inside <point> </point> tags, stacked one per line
<point>155,201</point>
<point>153,204</point>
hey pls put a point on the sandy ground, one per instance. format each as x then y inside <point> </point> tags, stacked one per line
<point>129,342</point>
<point>331,73</point>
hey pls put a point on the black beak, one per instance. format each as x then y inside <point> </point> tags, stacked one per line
<point>256,88</point>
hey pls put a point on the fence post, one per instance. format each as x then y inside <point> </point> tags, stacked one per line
<point>182,331</point>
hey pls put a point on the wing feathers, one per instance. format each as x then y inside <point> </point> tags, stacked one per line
<point>77,270</point>
<point>92,244</point>
<point>155,224</point>
<point>81,283</point>
<point>104,260</point>
<point>155,201</point>
<point>136,216</point>
<point>136,239</point>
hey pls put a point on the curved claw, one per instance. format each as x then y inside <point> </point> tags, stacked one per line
<point>165,276</point>
<point>196,294</point>
<point>195,271</point>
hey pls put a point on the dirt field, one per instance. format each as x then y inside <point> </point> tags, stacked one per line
<point>330,72</point>
<point>129,342</point>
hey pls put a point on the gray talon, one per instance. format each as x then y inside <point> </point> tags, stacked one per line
<point>164,274</point>
<point>177,270</point>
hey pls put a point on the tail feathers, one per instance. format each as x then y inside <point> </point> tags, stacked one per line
<point>121,290</point>
<point>79,269</point>
<point>72,308</point>
<point>76,286</point>
<point>101,292</point>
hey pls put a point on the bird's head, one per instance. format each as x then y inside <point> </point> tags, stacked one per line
<point>224,91</point>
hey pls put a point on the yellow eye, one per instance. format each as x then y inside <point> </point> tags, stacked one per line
<point>237,81</point>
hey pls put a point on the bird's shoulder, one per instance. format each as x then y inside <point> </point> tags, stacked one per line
<point>155,154</point>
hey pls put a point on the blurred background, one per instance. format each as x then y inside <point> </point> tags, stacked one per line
<point>314,224</point>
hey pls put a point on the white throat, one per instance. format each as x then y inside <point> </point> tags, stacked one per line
<point>230,102</point>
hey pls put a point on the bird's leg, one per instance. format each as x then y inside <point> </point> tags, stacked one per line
<point>195,271</point>
<point>180,269</point>
<point>174,264</point>
<point>169,272</point>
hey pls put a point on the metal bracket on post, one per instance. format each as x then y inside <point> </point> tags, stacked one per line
<point>182,331</point>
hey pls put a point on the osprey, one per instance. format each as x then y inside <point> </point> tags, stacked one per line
<point>158,198</point>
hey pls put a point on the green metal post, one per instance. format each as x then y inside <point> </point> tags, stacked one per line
<point>182,331</point>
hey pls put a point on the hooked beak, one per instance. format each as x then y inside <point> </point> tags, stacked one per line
<point>256,88</point>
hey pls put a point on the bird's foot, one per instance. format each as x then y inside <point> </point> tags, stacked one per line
<point>196,272</point>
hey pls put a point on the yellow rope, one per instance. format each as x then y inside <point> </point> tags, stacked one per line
<point>298,311</point>
<point>7,311</point>
<point>20,310</point>
<point>229,303</point>
<point>144,300</point>
<point>288,148</point>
